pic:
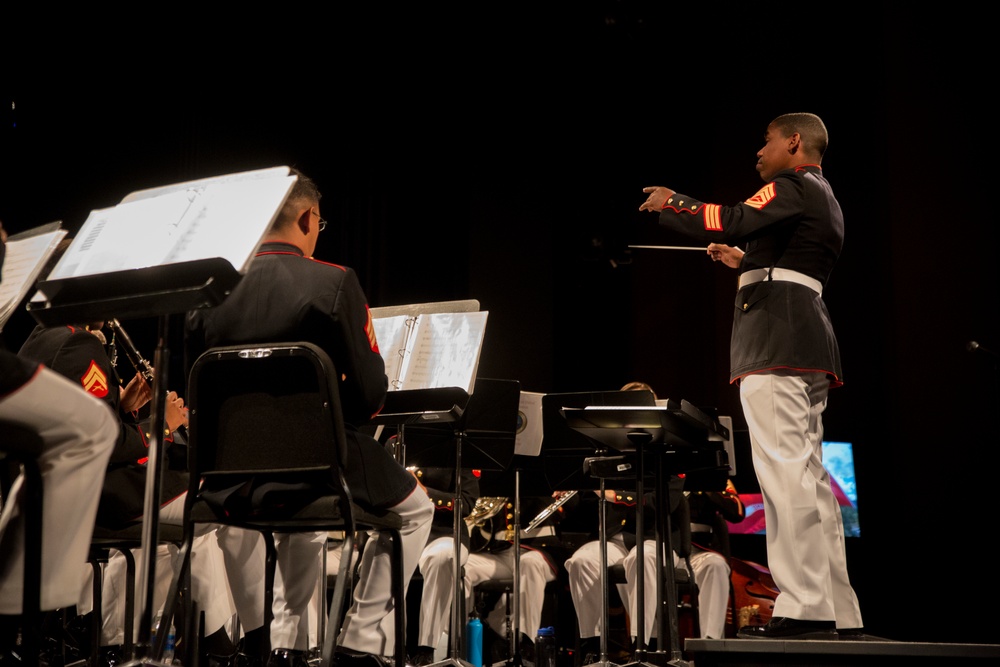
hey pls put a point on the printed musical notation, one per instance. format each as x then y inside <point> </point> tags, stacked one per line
<point>432,350</point>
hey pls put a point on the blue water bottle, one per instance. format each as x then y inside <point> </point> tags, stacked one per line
<point>545,647</point>
<point>474,647</point>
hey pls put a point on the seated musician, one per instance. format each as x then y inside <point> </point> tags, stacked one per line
<point>541,552</point>
<point>584,566</point>
<point>437,560</point>
<point>82,354</point>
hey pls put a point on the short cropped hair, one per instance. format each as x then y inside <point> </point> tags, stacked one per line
<point>638,386</point>
<point>810,128</point>
<point>304,194</point>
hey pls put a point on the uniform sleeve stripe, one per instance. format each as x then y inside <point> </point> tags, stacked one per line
<point>711,217</point>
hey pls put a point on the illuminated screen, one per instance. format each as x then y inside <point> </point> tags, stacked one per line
<point>838,459</point>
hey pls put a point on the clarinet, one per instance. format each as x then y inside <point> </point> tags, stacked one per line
<point>137,360</point>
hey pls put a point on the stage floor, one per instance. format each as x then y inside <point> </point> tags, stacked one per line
<point>845,653</point>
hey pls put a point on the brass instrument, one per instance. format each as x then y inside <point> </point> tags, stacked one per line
<point>480,521</point>
<point>137,360</point>
<point>485,508</point>
<point>547,512</point>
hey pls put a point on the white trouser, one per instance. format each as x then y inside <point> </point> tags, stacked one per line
<point>78,433</point>
<point>209,584</point>
<point>437,566</point>
<point>535,573</point>
<point>805,532</point>
<point>369,625</point>
<point>711,574</point>
<point>295,581</point>
<point>584,570</point>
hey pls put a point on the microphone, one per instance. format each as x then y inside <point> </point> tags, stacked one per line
<point>974,346</point>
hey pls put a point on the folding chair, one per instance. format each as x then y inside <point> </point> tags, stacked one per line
<point>266,423</point>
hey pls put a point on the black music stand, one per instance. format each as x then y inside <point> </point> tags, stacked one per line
<point>186,277</point>
<point>479,435</point>
<point>681,433</point>
<point>568,453</point>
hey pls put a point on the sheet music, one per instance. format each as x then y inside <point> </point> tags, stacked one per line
<point>179,224</point>
<point>25,257</point>
<point>391,334</point>
<point>431,350</point>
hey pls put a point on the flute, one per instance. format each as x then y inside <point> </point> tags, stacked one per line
<point>137,360</point>
<point>547,512</point>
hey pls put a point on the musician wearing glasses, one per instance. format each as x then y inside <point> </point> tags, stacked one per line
<point>288,296</point>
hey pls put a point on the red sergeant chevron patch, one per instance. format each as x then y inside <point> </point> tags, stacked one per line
<point>95,381</point>
<point>762,198</point>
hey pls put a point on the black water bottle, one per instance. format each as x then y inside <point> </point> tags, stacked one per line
<point>545,647</point>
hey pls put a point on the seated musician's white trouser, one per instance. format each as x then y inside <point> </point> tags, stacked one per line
<point>209,584</point>
<point>78,434</point>
<point>369,625</point>
<point>437,566</point>
<point>295,576</point>
<point>584,571</point>
<point>711,574</point>
<point>535,570</point>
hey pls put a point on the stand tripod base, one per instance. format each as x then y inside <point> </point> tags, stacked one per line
<point>658,659</point>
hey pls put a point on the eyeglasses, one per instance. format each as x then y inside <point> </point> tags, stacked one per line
<point>322,222</point>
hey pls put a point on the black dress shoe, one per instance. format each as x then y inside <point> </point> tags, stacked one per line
<point>287,657</point>
<point>780,627</point>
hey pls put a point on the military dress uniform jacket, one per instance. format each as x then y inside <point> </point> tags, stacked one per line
<point>795,225</point>
<point>287,297</point>
<point>77,354</point>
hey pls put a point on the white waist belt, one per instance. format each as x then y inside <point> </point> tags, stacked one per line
<point>757,275</point>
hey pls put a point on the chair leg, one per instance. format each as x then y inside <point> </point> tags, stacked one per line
<point>340,589</point>
<point>270,564</point>
<point>98,558</point>
<point>129,646</point>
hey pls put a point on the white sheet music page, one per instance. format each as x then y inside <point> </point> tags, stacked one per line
<point>391,334</point>
<point>445,352</point>
<point>221,217</point>
<point>23,262</point>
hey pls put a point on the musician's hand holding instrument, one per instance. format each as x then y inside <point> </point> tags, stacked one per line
<point>136,393</point>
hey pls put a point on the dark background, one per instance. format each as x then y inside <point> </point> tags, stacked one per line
<point>499,154</point>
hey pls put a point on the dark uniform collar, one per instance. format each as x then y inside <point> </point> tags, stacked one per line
<point>270,247</point>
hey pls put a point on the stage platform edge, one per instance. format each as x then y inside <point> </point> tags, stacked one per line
<point>840,653</point>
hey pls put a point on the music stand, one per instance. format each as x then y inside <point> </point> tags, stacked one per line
<point>209,230</point>
<point>677,429</point>
<point>480,437</point>
<point>567,455</point>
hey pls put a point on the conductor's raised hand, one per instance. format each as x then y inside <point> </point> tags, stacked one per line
<point>728,255</point>
<point>658,196</point>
